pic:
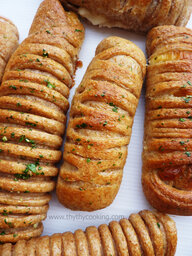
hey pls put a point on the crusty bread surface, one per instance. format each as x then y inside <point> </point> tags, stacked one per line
<point>100,126</point>
<point>143,234</point>
<point>137,16</point>
<point>167,153</point>
<point>33,106</point>
<point>8,42</point>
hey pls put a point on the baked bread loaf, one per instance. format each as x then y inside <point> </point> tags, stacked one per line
<point>100,126</point>
<point>8,42</point>
<point>167,155</point>
<point>147,233</point>
<point>33,105</point>
<point>138,16</point>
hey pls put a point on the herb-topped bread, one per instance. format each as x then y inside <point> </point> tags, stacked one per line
<point>33,106</point>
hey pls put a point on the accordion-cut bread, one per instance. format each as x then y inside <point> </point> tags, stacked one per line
<point>138,16</point>
<point>8,42</point>
<point>143,234</point>
<point>167,155</point>
<point>33,105</point>
<point>100,126</point>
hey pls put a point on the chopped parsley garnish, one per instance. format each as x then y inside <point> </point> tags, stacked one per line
<point>181,119</point>
<point>4,139</point>
<point>23,138</point>
<point>88,160</point>
<point>103,94</point>
<point>187,154</point>
<point>105,123</point>
<point>8,223</point>
<point>83,125</point>
<point>31,124</point>
<point>78,30</point>
<point>45,54</point>
<point>13,87</point>
<point>50,85</point>
<point>27,173</point>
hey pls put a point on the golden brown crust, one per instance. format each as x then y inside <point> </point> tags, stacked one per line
<point>138,16</point>
<point>100,126</point>
<point>33,100</point>
<point>167,170</point>
<point>8,42</point>
<point>143,234</point>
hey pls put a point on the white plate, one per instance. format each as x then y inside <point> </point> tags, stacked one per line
<point>130,197</point>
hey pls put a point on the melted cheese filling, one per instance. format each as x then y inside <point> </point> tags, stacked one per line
<point>170,56</point>
<point>99,20</point>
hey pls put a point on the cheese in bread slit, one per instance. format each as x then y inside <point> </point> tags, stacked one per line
<point>33,106</point>
<point>167,153</point>
<point>144,234</point>
<point>100,126</point>
<point>8,42</point>
<point>138,16</point>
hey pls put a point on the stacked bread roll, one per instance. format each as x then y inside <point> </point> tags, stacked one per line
<point>167,156</point>
<point>100,126</point>
<point>139,16</point>
<point>147,233</point>
<point>8,42</point>
<point>33,104</point>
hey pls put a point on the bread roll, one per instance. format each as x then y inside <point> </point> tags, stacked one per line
<point>138,16</point>
<point>147,233</point>
<point>100,126</point>
<point>33,105</point>
<point>167,155</point>
<point>8,42</point>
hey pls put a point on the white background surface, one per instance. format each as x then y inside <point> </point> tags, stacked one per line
<point>130,197</point>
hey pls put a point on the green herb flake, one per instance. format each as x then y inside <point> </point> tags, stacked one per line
<point>45,54</point>
<point>83,125</point>
<point>181,119</point>
<point>103,94</point>
<point>4,139</point>
<point>120,154</point>
<point>78,30</point>
<point>13,87</point>
<point>187,154</point>
<point>88,160</point>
